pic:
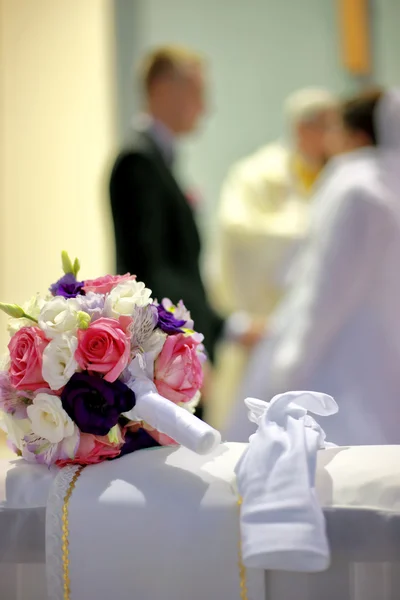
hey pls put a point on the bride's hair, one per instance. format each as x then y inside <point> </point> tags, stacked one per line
<point>359,113</point>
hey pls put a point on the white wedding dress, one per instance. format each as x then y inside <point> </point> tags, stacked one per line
<point>337,330</point>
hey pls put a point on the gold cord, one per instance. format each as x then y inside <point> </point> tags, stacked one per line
<point>65,533</point>
<point>242,568</point>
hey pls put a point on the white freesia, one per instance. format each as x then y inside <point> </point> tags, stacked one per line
<point>16,429</point>
<point>123,299</point>
<point>192,404</point>
<point>59,315</point>
<point>31,308</point>
<point>59,363</point>
<point>154,343</point>
<point>49,419</point>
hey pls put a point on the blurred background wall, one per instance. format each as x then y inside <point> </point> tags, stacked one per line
<point>66,98</point>
<point>259,51</point>
<point>57,134</point>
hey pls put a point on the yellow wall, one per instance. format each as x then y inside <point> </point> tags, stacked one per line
<point>57,136</point>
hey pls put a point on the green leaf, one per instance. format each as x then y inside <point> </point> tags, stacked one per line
<point>15,311</point>
<point>66,263</point>
<point>112,435</point>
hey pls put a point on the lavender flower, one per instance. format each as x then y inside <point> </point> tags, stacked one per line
<point>39,450</point>
<point>145,337</point>
<point>12,402</point>
<point>93,304</point>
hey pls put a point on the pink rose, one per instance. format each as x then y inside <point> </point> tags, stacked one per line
<point>178,373</point>
<point>26,352</point>
<point>93,449</point>
<point>104,285</point>
<point>161,438</point>
<point>104,347</point>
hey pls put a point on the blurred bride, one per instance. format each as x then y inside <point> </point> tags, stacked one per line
<point>338,328</point>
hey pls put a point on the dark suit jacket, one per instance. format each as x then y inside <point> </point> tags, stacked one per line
<point>156,234</point>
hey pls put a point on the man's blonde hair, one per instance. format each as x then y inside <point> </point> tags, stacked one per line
<point>167,60</point>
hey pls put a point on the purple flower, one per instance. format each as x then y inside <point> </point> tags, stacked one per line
<point>180,312</point>
<point>67,286</point>
<point>94,404</point>
<point>137,440</point>
<point>167,322</point>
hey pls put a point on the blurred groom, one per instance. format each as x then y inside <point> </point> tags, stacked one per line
<point>155,230</point>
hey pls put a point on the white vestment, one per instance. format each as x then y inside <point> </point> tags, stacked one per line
<point>262,218</point>
<point>337,330</point>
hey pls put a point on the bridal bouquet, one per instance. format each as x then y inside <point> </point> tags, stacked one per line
<point>97,369</point>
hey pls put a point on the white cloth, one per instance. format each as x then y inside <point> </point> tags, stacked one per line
<point>282,524</point>
<point>337,330</point>
<point>24,489</point>
<point>157,524</point>
<point>358,487</point>
<point>263,218</point>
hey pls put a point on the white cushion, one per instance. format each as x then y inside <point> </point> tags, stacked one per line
<point>24,489</point>
<point>359,488</point>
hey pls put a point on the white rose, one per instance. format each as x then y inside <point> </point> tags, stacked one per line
<point>59,363</point>
<point>16,429</point>
<point>49,419</point>
<point>31,308</point>
<point>59,315</point>
<point>125,296</point>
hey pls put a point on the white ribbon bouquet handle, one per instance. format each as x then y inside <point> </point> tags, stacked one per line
<point>169,418</point>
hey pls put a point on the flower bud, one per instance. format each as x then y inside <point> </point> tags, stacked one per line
<point>113,436</point>
<point>83,320</point>
<point>66,263</point>
<point>12,310</point>
<point>77,266</point>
